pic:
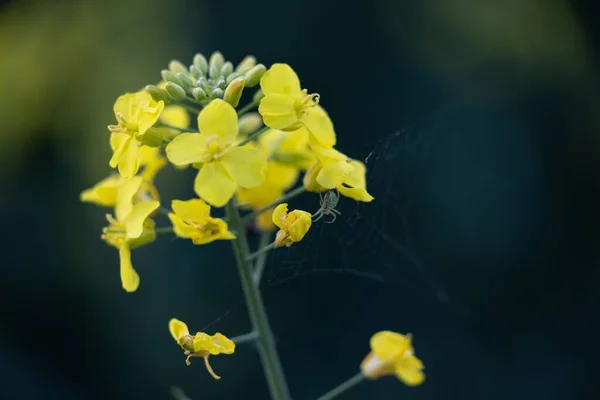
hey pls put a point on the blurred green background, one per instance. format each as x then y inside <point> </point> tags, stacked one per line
<point>478,121</point>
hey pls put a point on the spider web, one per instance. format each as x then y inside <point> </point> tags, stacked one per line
<point>368,240</point>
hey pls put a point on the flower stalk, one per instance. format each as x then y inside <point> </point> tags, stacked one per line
<point>343,387</point>
<point>261,251</point>
<point>253,135</point>
<point>256,309</point>
<point>290,195</point>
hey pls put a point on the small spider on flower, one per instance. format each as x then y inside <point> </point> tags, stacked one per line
<point>328,202</point>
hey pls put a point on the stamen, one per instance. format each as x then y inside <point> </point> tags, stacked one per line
<point>209,368</point>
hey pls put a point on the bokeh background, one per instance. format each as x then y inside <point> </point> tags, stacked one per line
<point>479,122</point>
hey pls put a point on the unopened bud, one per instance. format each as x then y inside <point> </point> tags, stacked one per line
<point>201,63</point>
<point>186,81</point>
<point>249,123</point>
<point>221,83</point>
<point>258,96</point>
<point>217,94</point>
<point>254,74</point>
<point>176,66</point>
<point>234,90</point>
<point>227,69</point>
<point>175,91</point>
<point>231,77</point>
<point>199,94</point>
<point>195,71</point>
<point>169,76</point>
<point>157,93</point>
<point>215,64</point>
<point>244,65</point>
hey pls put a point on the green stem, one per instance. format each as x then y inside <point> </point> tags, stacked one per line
<point>251,137</point>
<point>164,211</point>
<point>165,229</point>
<point>289,195</point>
<point>336,391</point>
<point>260,262</point>
<point>246,108</point>
<point>194,110</point>
<point>260,252</point>
<point>256,310</point>
<point>247,337</point>
<point>177,128</point>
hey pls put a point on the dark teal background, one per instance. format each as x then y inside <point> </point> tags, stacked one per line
<point>479,125</point>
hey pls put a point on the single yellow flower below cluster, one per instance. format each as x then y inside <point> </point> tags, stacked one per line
<point>334,170</point>
<point>393,354</point>
<point>222,165</point>
<point>192,220</point>
<point>286,106</point>
<point>200,344</point>
<point>131,228</point>
<point>135,114</point>
<point>292,226</point>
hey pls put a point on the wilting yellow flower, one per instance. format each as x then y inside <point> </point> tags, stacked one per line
<point>135,113</point>
<point>334,170</point>
<point>130,229</point>
<point>286,106</point>
<point>192,220</point>
<point>392,353</point>
<point>201,344</point>
<point>104,193</point>
<point>222,166</point>
<point>292,226</point>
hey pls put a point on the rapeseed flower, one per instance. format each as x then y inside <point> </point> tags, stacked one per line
<point>200,344</point>
<point>393,354</point>
<point>292,226</point>
<point>286,106</point>
<point>191,220</point>
<point>222,165</point>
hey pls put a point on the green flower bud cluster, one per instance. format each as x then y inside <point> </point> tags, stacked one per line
<point>206,80</point>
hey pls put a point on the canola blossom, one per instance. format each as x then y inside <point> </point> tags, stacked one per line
<point>191,220</point>
<point>292,226</point>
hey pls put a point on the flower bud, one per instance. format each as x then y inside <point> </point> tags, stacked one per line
<point>157,93</point>
<point>234,90</point>
<point>175,91</point>
<point>221,83</point>
<point>254,74</point>
<point>244,65</point>
<point>153,136</point>
<point>231,77</point>
<point>199,94</point>
<point>249,123</point>
<point>217,94</point>
<point>227,69</point>
<point>186,81</point>
<point>215,64</point>
<point>201,63</point>
<point>176,66</point>
<point>195,71</point>
<point>169,76</point>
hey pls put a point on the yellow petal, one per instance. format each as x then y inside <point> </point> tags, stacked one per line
<point>178,328</point>
<point>319,125</point>
<point>278,112</point>
<point>219,118</point>
<point>129,278</point>
<point>301,225</point>
<point>410,373</point>
<point>176,116</point>
<point>214,185</point>
<point>224,344</point>
<point>213,229</point>
<point>134,222</point>
<point>356,178</point>
<point>181,228</point>
<point>281,79</point>
<point>246,165</point>
<point>187,148</point>
<point>191,210</point>
<point>103,193</point>
<point>332,175</point>
<point>279,216</point>
<point>281,176</point>
<point>357,194</point>
<point>125,194</point>
<point>139,110</point>
<point>129,163</point>
<point>118,141</point>
<point>390,346</point>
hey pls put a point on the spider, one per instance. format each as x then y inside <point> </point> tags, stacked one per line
<point>328,203</point>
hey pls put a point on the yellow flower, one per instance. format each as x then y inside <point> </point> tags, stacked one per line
<point>130,229</point>
<point>334,170</point>
<point>286,106</point>
<point>104,193</point>
<point>222,165</point>
<point>292,226</point>
<point>192,220</point>
<point>201,344</point>
<point>135,113</point>
<point>392,353</point>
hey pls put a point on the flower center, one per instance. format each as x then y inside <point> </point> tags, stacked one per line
<point>306,101</point>
<point>114,234</point>
<point>215,149</point>
<point>124,126</point>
